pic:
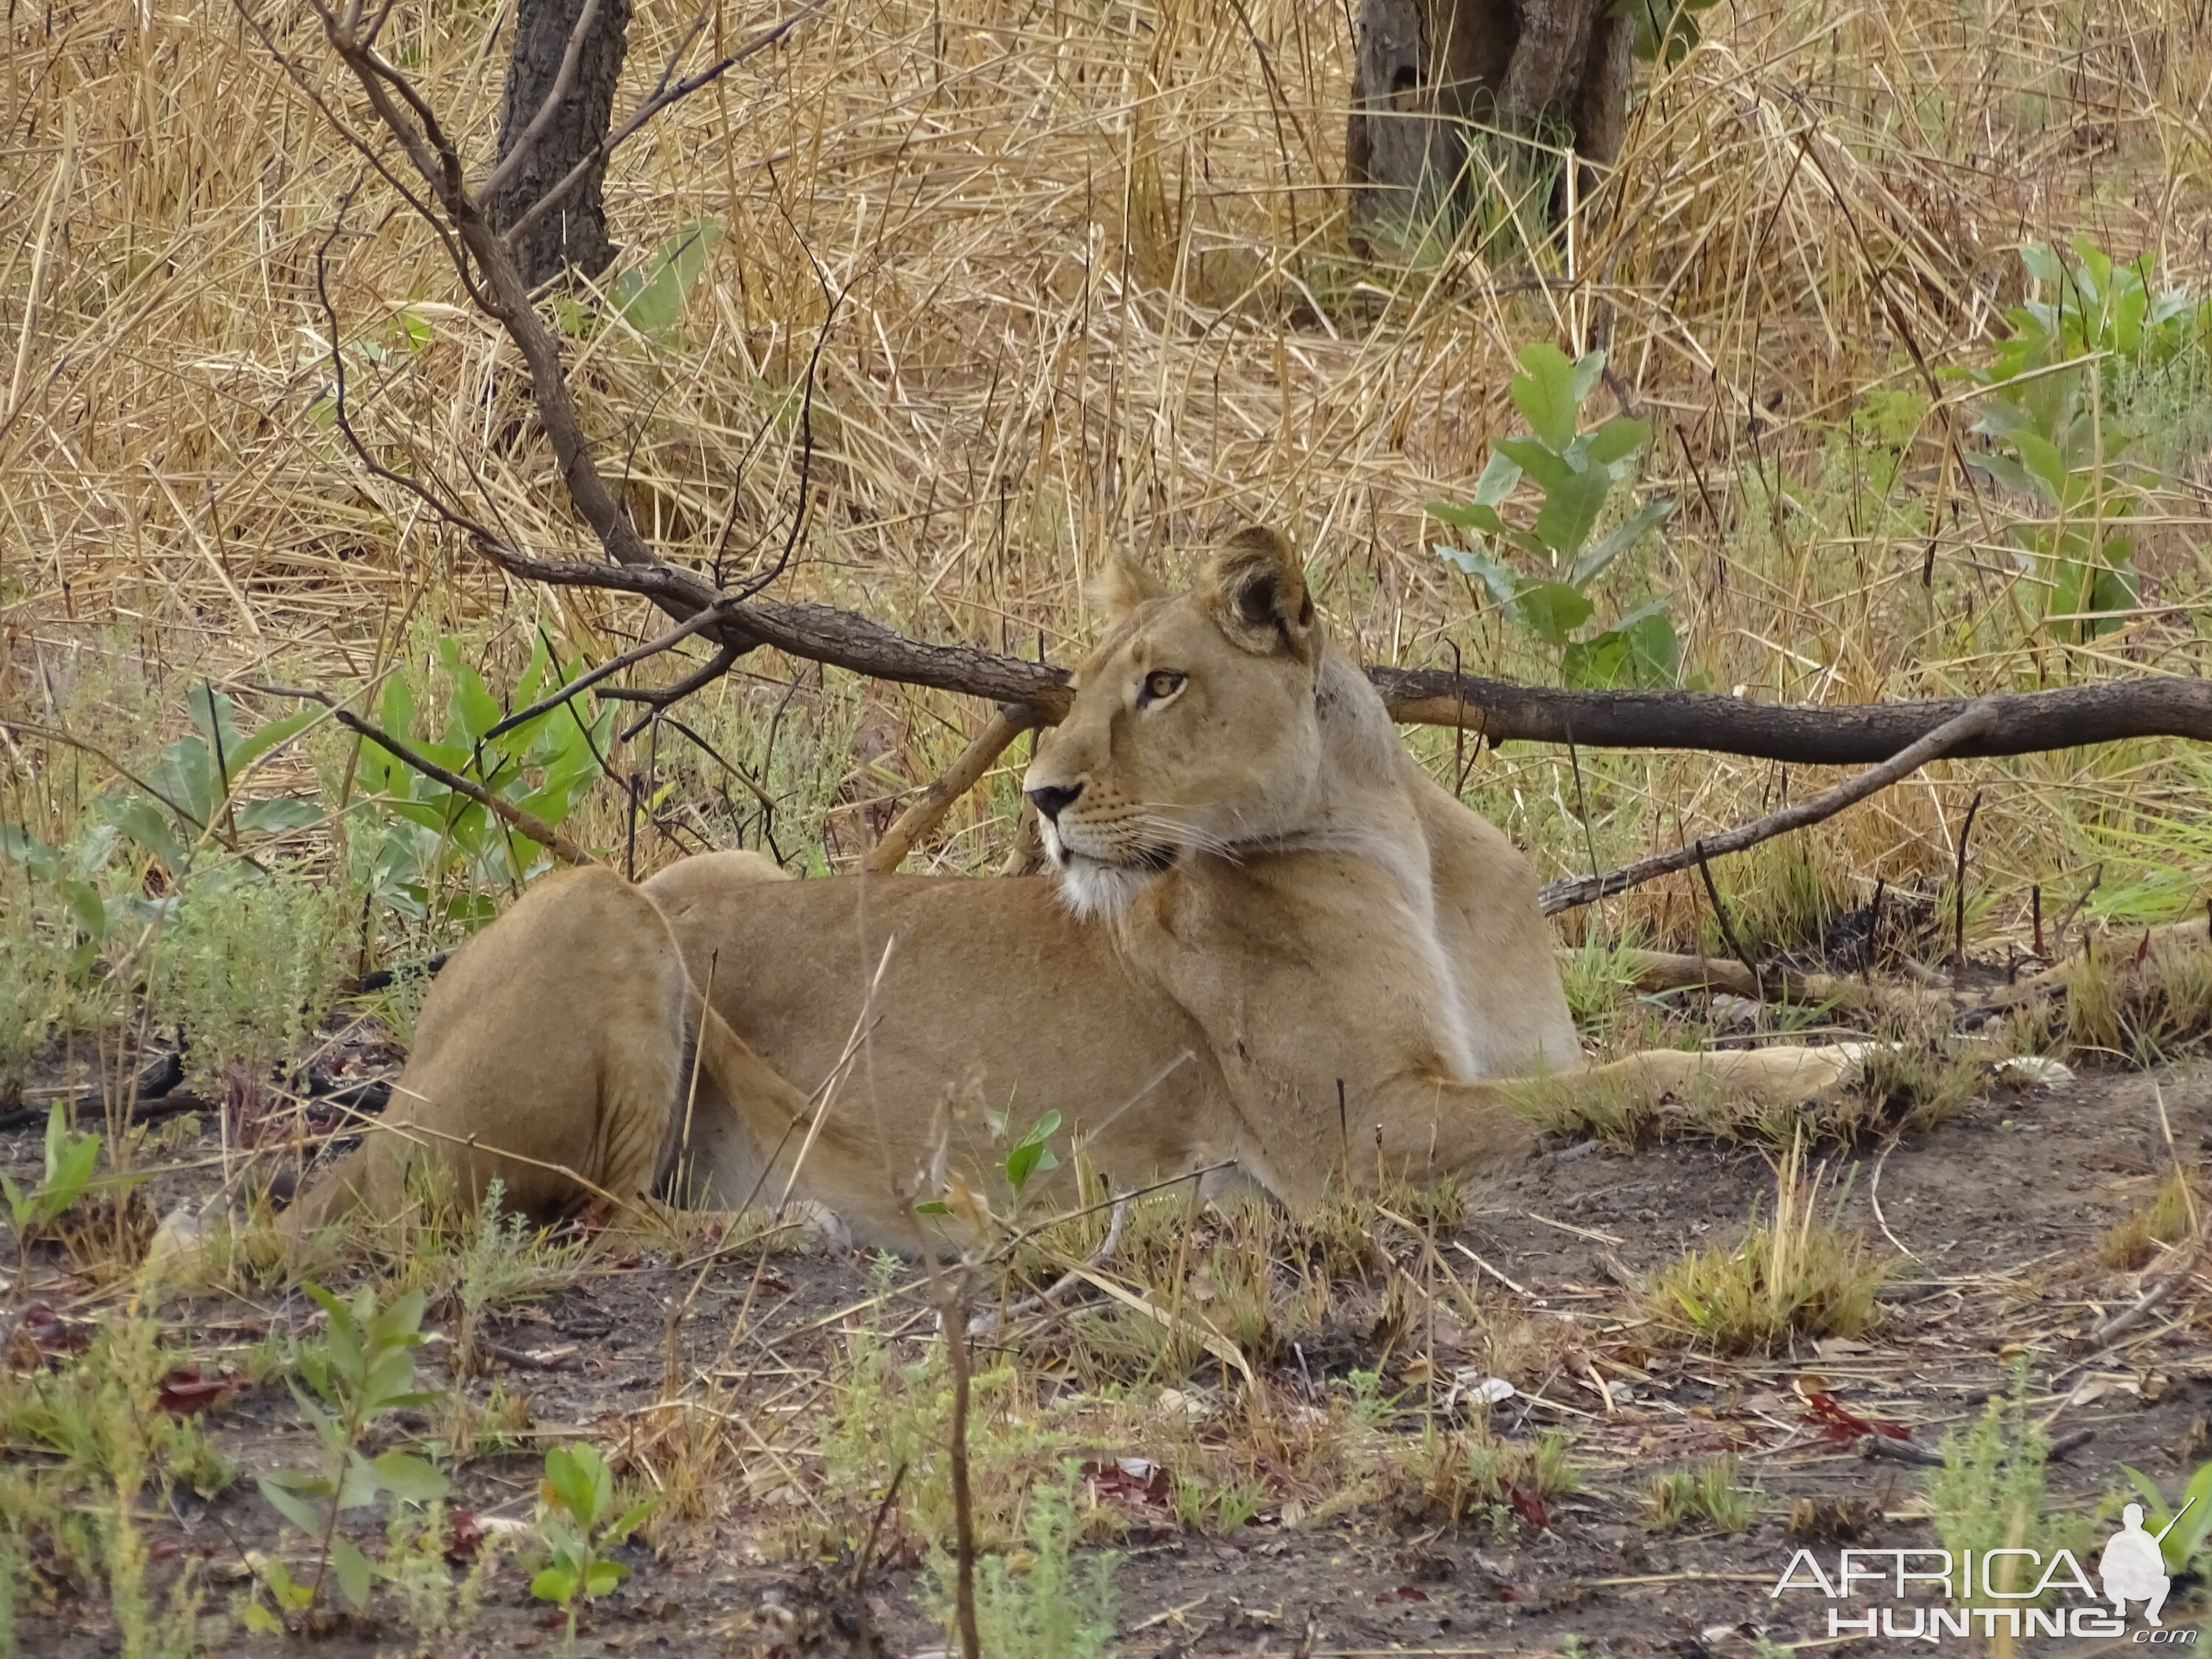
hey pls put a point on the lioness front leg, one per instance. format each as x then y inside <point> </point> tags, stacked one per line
<point>1423,1128</point>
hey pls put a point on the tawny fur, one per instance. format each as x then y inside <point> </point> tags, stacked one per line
<point>1268,940</point>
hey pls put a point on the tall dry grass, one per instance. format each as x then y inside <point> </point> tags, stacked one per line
<point>1094,292</point>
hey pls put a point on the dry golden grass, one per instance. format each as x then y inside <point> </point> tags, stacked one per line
<point>1096,294</point>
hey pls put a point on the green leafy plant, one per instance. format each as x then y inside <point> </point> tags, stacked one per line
<point>246,966</point>
<point>193,784</point>
<point>1990,1492</point>
<point>1055,1609</point>
<point>2052,413</point>
<point>425,834</point>
<point>1712,1498</point>
<point>2186,1528</point>
<point>577,1517</point>
<point>364,1367</point>
<point>1029,1157</point>
<point>71,1161</point>
<point>650,297</point>
<point>1577,473</point>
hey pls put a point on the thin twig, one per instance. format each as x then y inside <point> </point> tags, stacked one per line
<point>934,802</point>
<point>683,630</point>
<point>1959,729</point>
<point>529,823</point>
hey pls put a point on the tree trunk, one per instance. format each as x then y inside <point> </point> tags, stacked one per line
<point>574,233</point>
<point>1429,76</point>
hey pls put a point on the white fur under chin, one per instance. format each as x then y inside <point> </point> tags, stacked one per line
<point>1095,891</point>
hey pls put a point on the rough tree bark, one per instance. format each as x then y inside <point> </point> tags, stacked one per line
<point>574,234</point>
<point>1427,73</point>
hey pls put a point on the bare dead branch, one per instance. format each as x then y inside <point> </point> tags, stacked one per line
<point>583,682</point>
<point>667,696</point>
<point>1946,739</point>
<point>921,818</point>
<point>1856,734</point>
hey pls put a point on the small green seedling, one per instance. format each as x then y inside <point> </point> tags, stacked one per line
<point>576,1514</point>
<point>2181,1534</point>
<point>70,1160</point>
<point>1578,472</point>
<point>366,1367</point>
<point>1030,1156</point>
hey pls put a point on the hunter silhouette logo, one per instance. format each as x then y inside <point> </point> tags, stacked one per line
<point>2133,1566</point>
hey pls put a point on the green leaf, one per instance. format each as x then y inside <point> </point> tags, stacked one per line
<point>33,855</point>
<point>1588,368</point>
<point>354,1575</point>
<point>211,712</point>
<point>1601,664</point>
<point>1552,611</point>
<point>927,1206</point>
<point>652,297</point>
<point>293,1507</point>
<point>473,711</point>
<point>1499,475</point>
<point>2046,468</point>
<point>271,818</point>
<point>1570,511</point>
<point>601,1576</point>
<point>1021,1163</point>
<point>1503,584</point>
<point>1654,647</point>
<point>409,1478</point>
<point>144,824</point>
<point>1473,516</point>
<point>1548,468</point>
<point>1618,541</point>
<point>1545,396</point>
<point>86,909</point>
<point>262,738</point>
<point>581,1482</point>
<point>629,1521</point>
<point>260,1620</point>
<point>554,1585</point>
<point>1618,439</point>
<point>357,1485</point>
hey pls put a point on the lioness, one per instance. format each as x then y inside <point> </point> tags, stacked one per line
<point>1268,942</point>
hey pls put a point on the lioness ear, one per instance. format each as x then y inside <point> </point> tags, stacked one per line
<point>1257,594</point>
<point>1121,586</point>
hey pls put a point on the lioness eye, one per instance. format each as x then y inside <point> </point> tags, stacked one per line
<point>1159,685</point>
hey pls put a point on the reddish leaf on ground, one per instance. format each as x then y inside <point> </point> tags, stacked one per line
<point>48,1333</point>
<point>187,1389</point>
<point>1134,1480</point>
<point>465,1536</point>
<point>1403,1593</point>
<point>1834,1423</point>
<point>1528,1505</point>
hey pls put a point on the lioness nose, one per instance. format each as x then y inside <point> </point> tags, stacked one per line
<point>1052,800</point>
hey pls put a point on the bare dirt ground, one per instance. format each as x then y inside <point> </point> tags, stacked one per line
<point>2001,1209</point>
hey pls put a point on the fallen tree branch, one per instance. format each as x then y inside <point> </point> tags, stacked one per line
<point>934,802</point>
<point>527,824</point>
<point>1854,735</point>
<point>2153,941</point>
<point>1850,734</point>
<point>606,670</point>
<point>1975,719</point>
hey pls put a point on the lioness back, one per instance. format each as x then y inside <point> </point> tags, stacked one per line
<point>549,1048</point>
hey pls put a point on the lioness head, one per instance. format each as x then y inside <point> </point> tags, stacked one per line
<point>1193,727</point>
